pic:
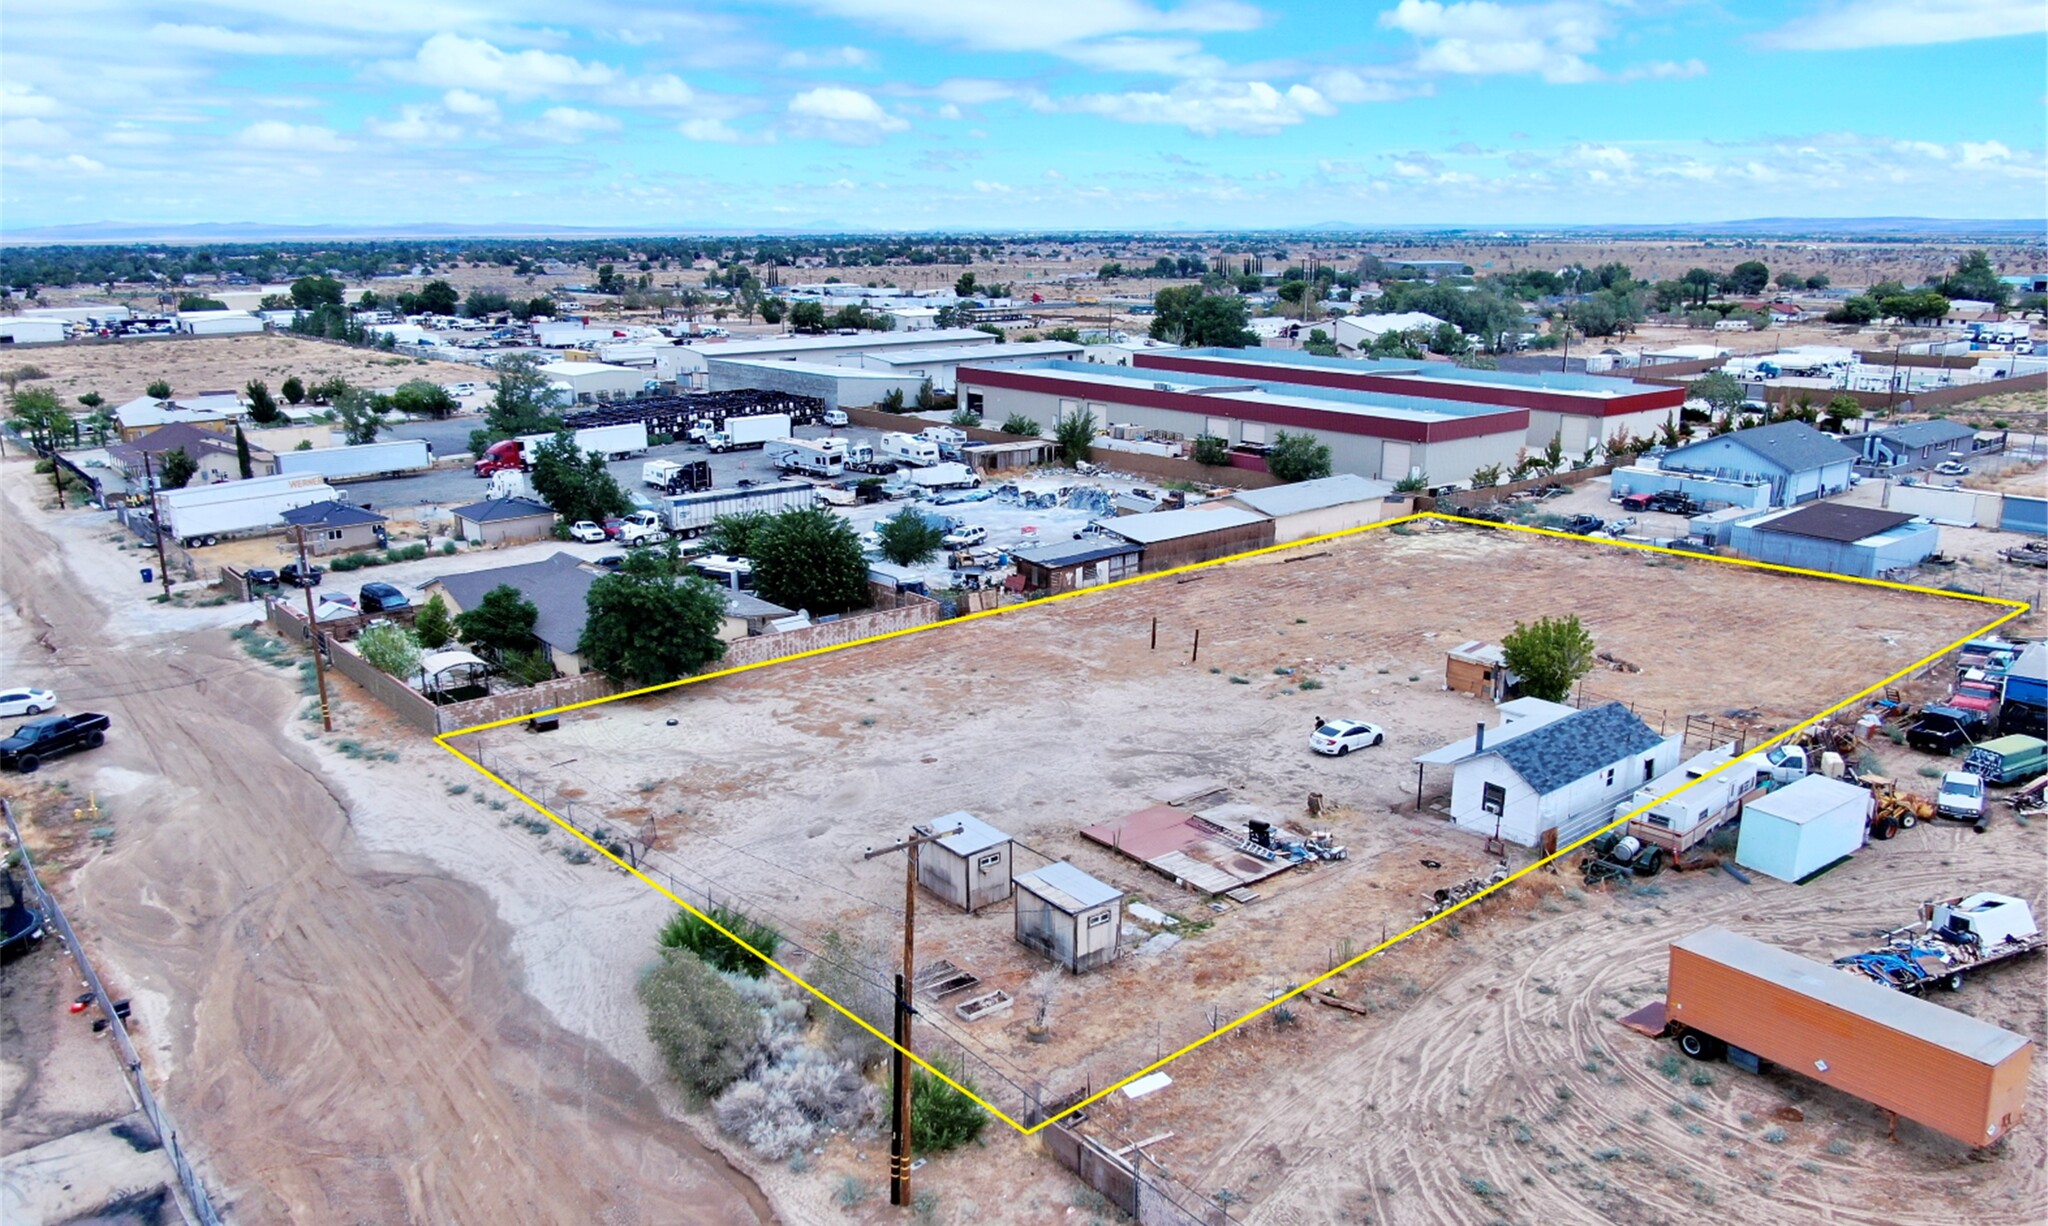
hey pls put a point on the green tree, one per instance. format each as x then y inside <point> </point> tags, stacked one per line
<point>525,402</point>
<point>200,302</point>
<point>263,408</point>
<point>309,293</point>
<point>736,534</point>
<point>42,419</point>
<point>1017,423</point>
<point>537,308</point>
<point>907,538</point>
<point>174,469</point>
<point>1701,282</point>
<point>1748,278</point>
<point>964,287</point>
<point>437,298</point>
<point>706,1032</point>
<point>651,624</point>
<point>810,560</point>
<point>1298,457</point>
<point>963,418</point>
<point>423,398</point>
<point>1075,434</point>
<point>1818,281</point>
<point>92,400</point>
<point>390,649</point>
<point>158,389</point>
<point>1320,344</point>
<point>294,390</point>
<point>486,302</point>
<point>1549,656</point>
<point>577,485</point>
<point>1486,476</point>
<point>502,621</point>
<point>243,462</point>
<point>807,317</point>
<point>1211,450</point>
<point>360,413</point>
<point>1721,391</point>
<point>1855,309</point>
<point>701,936</point>
<point>433,626</point>
<point>1845,408</point>
<point>1975,278</point>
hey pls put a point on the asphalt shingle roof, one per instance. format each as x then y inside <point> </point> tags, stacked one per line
<point>332,515</point>
<point>1792,445</point>
<point>558,586</point>
<point>502,508</point>
<point>1576,746</point>
<point>1917,434</point>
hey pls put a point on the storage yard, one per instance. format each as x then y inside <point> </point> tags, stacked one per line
<point>1485,1075</point>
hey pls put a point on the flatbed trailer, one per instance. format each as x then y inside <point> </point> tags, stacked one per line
<point>1951,940</point>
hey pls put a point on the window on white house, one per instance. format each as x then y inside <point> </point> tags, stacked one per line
<point>1493,798</point>
<point>1610,776</point>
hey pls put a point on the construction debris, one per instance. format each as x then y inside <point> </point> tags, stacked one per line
<point>1450,896</point>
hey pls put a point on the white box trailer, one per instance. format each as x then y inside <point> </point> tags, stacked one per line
<point>744,432</point>
<point>386,459</point>
<point>943,477</point>
<point>612,442</point>
<point>795,455</point>
<point>239,507</point>
<point>690,514</point>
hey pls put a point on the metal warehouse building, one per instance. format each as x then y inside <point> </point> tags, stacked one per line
<point>1862,542</point>
<point>839,387</point>
<point>1577,409</point>
<point>833,350</point>
<point>941,364</point>
<point>1371,434</point>
<point>1197,534</point>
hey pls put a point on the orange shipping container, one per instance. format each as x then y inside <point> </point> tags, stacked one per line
<point>1949,1071</point>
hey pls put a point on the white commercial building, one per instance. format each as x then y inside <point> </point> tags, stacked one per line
<point>218,323</point>
<point>830,348</point>
<point>1360,331</point>
<point>941,364</point>
<point>594,379</point>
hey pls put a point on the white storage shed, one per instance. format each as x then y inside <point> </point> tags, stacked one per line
<point>970,869</point>
<point>1801,828</point>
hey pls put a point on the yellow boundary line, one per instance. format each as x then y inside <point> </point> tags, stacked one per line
<point>2015,609</point>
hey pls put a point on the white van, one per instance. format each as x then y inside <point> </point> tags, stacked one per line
<point>835,417</point>
<point>909,449</point>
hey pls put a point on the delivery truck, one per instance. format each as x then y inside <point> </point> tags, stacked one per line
<point>689,514</point>
<point>202,514</point>
<point>386,459</point>
<point>805,458</point>
<point>746,433</point>
<point>1733,996</point>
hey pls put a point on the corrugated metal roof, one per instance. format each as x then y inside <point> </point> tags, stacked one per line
<point>1068,888</point>
<point>975,835</point>
<point>1152,527</point>
<point>1314,495</point>
<point>1563,750</point>
<point>1056,556</point>
<point>1956,1032</point>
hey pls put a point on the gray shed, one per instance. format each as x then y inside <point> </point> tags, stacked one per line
<point>1069,916</point>
<point>970,869</point>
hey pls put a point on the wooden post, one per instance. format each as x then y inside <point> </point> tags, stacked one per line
<point>900,1140</point>
<point>1196,654</point>
<point>156,525</point>
<point>1155,634</point>
<point>312,626</point>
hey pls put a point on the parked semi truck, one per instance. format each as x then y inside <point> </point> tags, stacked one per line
<point>745,433</point>
<point>677,477</point>
<point>613,442</point>
<point>804,457</point>
<point>202,514</point>
<point>1733,996</point>
<point>689,514</point>
<point>387,459</point>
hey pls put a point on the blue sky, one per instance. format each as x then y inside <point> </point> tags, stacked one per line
<point>914,114</point>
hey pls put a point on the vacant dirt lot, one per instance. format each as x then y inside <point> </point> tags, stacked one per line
<point>771,784</point>
<point>123,370</point>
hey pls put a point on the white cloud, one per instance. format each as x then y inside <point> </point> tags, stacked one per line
<point>19,100</point>
<point>1979,153</point>
<point>69,164</point>
<point>1664,70</point>
<point>949,111</point>
<point>416,125</point>
<point>452,61</point>
<point>294,138</point>
<point>476,106</point>
<point>1252,108</point>
<point>847,116</point>
<point>989,187</point>
<point>1851,25</point>
<point>568,124</point>
<point>1165,57</point>
<point>665,92</point>
<point>1047,25</point>
<point>1347,86</point>
<point>1480,38</point>
<point>241,42</point>
<point>828,57</point>
<point>32,133</point>
<point>1054,176</point>
<point>712,131</point>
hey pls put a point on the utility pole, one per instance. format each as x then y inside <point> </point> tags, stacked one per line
<point>313,628</point>
<point>899,1124</point>
<point>156,525</point>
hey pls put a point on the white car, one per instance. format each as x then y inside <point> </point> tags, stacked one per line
<point>1961,796</point>
<point>587,532</point>
<point>26,702</point>
<point>1949,468</point>
<point>1340,736</point>
<point>961,538</point>
<point>465,389</point>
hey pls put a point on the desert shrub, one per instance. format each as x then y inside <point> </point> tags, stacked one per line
<point>689,931</point>
<point>784,1107</point>
<point>840,970</point>
<point>706,1032</point>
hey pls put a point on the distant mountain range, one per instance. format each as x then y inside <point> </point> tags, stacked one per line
<point>249,231</point>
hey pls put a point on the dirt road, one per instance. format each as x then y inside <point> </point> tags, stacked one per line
<point>343,1037</point>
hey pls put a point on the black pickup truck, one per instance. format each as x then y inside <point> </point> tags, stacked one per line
<point>39,740</point>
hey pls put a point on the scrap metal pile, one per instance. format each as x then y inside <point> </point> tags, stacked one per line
<point>1450,896</point>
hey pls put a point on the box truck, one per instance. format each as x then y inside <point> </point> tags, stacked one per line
<point>795,455</point>
<point>909,449</point>
<point>744,433</point>
<point>202,514</point>
<point>387,459</point>
<point>689,514</point>
<point>1734,996</point>
<point>944,477</point>
<point>677,477</point>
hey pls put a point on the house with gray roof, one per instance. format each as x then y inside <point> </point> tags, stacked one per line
<point>1796,461</point>
<point>558,586</point>
<point>337,527</point>
<point>1917,444</point>
<point>1552,768</point>
<point>502,521</point>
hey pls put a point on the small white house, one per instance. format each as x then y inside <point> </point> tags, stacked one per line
<point>970,869</point>
<point>1803,827</point>
<point>1069,916</point>
<point>1549,767</point>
